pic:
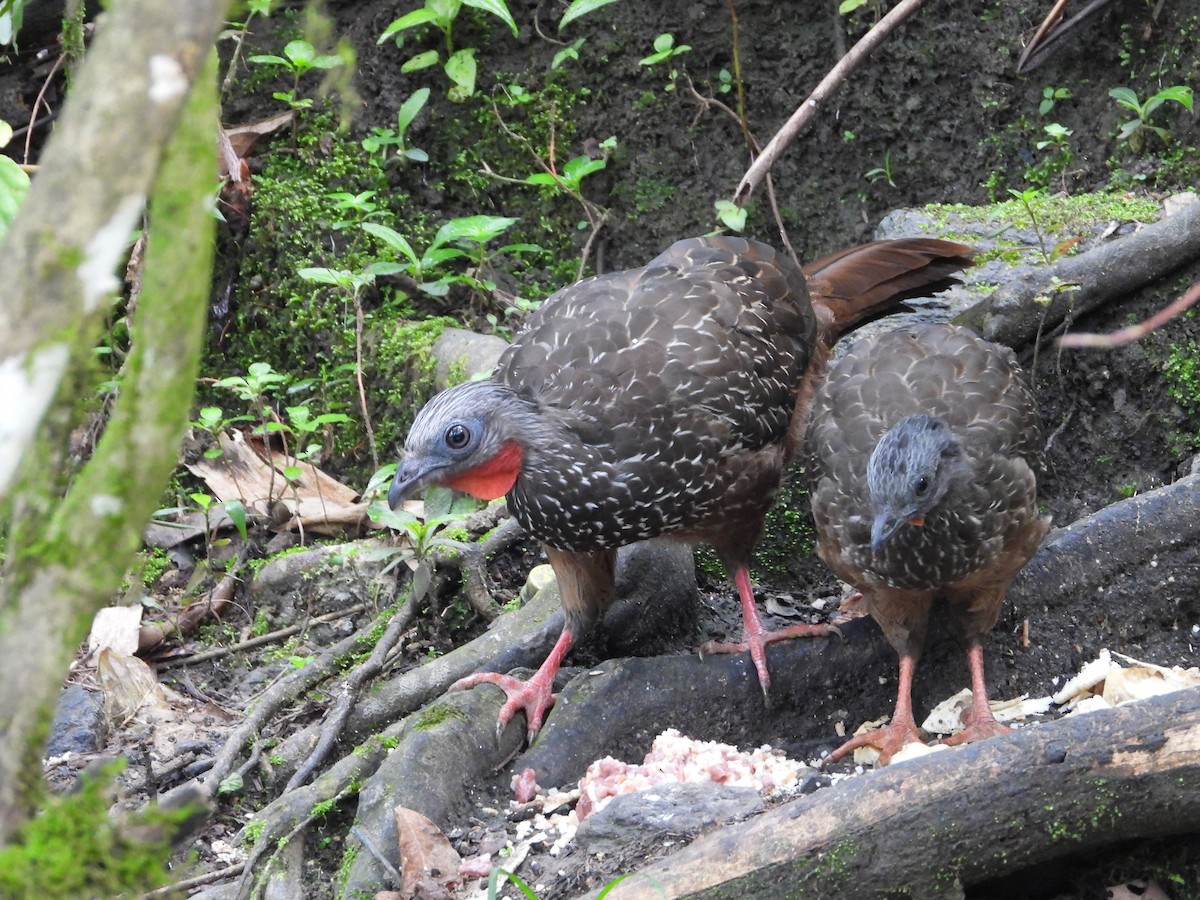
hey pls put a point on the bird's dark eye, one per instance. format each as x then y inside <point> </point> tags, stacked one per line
<point>922,485</point>
<point>457,437</point>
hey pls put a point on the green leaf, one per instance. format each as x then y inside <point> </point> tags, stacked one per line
<point>410,108</point>
<point>460,68</point>
<point>580,167</point>
<point>231,785</point>
<point>849,6</point>
<point>380,477</point>
<point>1178,93</point>
<point>416,155</point>
<point>393,239</point>
<point>13,185</point>
<point>497,8</point>
<point>542,178</point>
<point>268,60</point>
<point>420,61</point>
<point>730,214</point>
<point>301,54</point>
<point>438,501</point>
<point>376,269</point>
<point>664,42</point>
<point>237,515</point>
<point>479,229</point>
<point>571,52</point>
<point>398,520</point>
<point>581,8</point>
<point>1127,98</point>
<point>417,17</point>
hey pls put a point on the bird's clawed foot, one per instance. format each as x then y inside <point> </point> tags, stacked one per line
<point>981,724</point>
<point>888,740</point>
<point>756,641</point>
<point>534,697</point>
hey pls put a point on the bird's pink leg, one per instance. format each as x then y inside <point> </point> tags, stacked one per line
<point>534,696</point>
<point>901,730</point>
<point>979,719</point>
<point>755,637</point>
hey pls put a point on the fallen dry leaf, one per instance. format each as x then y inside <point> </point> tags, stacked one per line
<point>428,862</point>
<point>131,689</point>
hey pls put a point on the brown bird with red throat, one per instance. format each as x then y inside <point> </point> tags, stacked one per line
<point>665,400</point>
<point>924,442</point>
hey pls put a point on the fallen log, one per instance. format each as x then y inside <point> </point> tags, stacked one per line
<point>932,826</point>
<point>1036,303</point>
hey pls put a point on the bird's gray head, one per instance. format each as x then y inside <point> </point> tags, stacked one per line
<point>911,469</point>
<point>464,438</point>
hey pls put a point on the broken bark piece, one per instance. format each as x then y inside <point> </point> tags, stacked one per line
<point>932,826</point>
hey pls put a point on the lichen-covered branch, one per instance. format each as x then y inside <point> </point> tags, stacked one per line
<point>65,558</point>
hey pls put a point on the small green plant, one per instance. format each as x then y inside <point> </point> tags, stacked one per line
<point>360,205</point>
<point>380,139</point>
<point>882,173</point>
<point>1028,199</point>
<point>424,535</point>
<point>730,214</point>
<point>1125,491</point>
<point>1056,155</point>
<point>570,176</point>
<point>212,419</point>
<point>571,51</point>
<point>460,66</point>
<point>298,58</point>
<point>1134,131</point>
<point>462,238</point>
<point>304,427</point>
<point>665,49</point>
<point>1051,96</point>
<point>234,509</point>
<point>1182,375</point>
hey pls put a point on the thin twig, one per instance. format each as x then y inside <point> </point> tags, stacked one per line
<point>1131,333</point>
<point>261,639</point>
<point>754,148</point>
<point>735,41</point>
<point>173,890</point>
<point>595,214</point>
<point>38,103</point>
<point>331,729</point>
<point>358,376</point>
<point>830,83</point>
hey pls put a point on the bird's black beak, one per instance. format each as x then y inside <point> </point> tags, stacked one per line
<point>410,477</point>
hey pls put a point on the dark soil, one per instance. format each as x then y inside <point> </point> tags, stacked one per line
<point>939,105</point>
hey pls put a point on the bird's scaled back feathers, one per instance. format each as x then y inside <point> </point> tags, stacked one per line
<point>988,516</point>
<point>645,401</point>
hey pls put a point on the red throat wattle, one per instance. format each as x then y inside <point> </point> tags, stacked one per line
<point>493,478</point>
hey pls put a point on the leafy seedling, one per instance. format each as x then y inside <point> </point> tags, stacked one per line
<point>298,58</point>
<point>1134,130</point>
